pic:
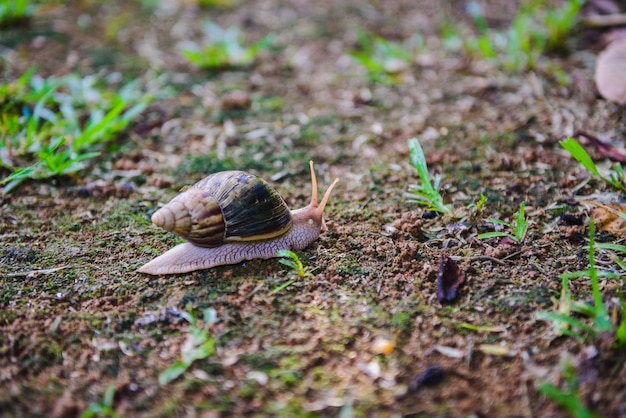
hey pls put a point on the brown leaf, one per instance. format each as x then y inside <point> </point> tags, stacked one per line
<point>449,278</point>
<point>606,216</point>
<point>610,74</point>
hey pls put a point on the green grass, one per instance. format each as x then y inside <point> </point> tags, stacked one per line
<point>197,347</point>
<point>616,177</point>
<point>51,127</point>
<point>291,259</point>
<point>427,193</point>
<point>566,324</point>
<point>568,398</point>
<point>384,60</point>
<point>536,30</point>
<point>104,408</point>
<point>223,48</point>
<point>518,228</point>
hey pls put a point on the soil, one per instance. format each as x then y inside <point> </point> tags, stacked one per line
<point>366,334</point>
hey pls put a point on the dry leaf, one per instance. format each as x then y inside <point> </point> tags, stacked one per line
<point>606,216</point>
<point>449,278</point>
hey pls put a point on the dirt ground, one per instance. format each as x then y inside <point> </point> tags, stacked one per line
<point>76,318</point>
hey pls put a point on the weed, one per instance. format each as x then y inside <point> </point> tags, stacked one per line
<point>615,179</point>
<point>425,194</point>
<point>223,48</point>
<point>535,30</point>
<point>15,11</point>
<point>598,312</point>
<point>291,259</point>
<point>384,60</point>
<point>198,345</point>
<point>568,398</point>
<point>478,207</point>
<point>50,127</point>
<point>104,408</point>
<point>518,228</point>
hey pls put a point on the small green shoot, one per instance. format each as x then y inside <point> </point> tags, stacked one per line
<point>102,409</point>
<point>198,345</point>
<point>291,259</point>
<point>536,29</point>
<point>425,194</point>
<point>615,179</point>
<point>384,60</point>
<point>598,311</point>
<point>478,207</point>
<point>518,228</point>
<point>567,398</point>
<point>223,48</point>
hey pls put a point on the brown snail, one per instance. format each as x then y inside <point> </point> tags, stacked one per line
<point>230,217</point>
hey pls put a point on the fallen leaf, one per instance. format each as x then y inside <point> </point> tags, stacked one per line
<point>610,75</point>
<point>449,278</point>
<point>608,218</point>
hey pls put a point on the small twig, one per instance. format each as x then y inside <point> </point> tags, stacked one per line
<point>486,257</point>
<point>28,273</point>
<point>600,21</point>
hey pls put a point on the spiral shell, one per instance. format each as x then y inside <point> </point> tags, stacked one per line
<point>229,206</point>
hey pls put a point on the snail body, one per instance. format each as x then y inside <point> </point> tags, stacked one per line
<point>230,217</point>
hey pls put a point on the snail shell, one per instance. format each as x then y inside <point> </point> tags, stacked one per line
<point>228,206</point>
<point>232,216</point>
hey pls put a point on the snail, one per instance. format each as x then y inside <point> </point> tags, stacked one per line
<point>232,216</point>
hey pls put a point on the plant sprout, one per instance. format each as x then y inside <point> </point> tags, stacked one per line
<point>198,345</point>
<point>518,228</point>
<point>425,194</point>
<point>615,179</point>
<point>223,48</point>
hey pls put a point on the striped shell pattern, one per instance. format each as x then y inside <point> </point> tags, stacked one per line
<point>228,206</point>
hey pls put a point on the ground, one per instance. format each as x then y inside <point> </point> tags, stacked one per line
<point>366,334</point>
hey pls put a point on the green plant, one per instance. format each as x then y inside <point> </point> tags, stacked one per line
<point>197,346</point>
<point>478,207</point>
<point>567,398</point>
<point>14,11</point>
<point>223,48</point>
<point>615,179</point>
<point>598,312</point>
<point>291,259</point>
<point>384,60</point>
<point>104,408</point>
<point>614,248</point>
<point>425,194</point>
<point>518,228</point>
<point>535,30</point>
<point>49,127</point>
